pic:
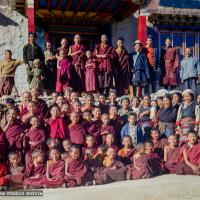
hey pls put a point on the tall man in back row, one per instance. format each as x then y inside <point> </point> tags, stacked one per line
<point>31,51</point>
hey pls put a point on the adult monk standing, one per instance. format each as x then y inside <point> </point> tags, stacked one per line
<point>169,64</point>
<point>77,53</point>
<point>105,57</point>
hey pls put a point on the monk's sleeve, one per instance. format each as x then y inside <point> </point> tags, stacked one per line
<point>176,62</point>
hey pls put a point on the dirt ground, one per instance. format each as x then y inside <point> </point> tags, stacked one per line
<point>166,187</point>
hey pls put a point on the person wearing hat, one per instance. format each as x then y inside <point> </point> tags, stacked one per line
<point>188,116</point>
<point>153,61</point>
<point>8,67</point>
<point>140,69</point>
<point>169,61</point>
<point>31,51</point>
<point>190,70</point>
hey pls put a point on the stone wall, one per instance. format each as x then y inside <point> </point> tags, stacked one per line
<point>127,29</point>
<point>13,36</point>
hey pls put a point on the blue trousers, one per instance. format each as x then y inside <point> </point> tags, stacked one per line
<point>191,84</point>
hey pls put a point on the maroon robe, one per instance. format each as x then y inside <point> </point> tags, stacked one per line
<point>56,171</point>
<point>92,129</point>
<point>15,135</point>
<point>106,65</point>
<point>57,128</point>
<point>122,63</point>
<point>3,147</point>
<point>144,171</point>
<point>78,63</point>
<point>105,129</point>
<point>126,156</point>
<point>31,171</point>
<point>42,108</point>
<point>3,172</point>
<point>158,147</point>
<point>23,110</point>
<point>77,134</point>
<point>79,174</point>
<point>15,177</point>
<point>169,65</point>
<point>37,135</point>
<point>155,163</point>
<point>172,156</point>
<point>91,83</point>
<point>193,157</point>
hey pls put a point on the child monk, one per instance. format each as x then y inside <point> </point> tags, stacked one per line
<point>89,103</point>
<point>188,161</point>
<point>76,131</point>
<point>64,71</point>
<point>140,168</point>
<point>110,142</point>
<point>76,172</point>
<point>57,126</point>
<point>115,170</point>
<point>15,131</point>
<point>26,97</point>
<point>90,73</point>
<point>154,161</point>
<point>66,146</point>
<point>96,112</point>
<point>55,170</point>
<point>90,144</point>
<point>158,142</point>
<point>16,171</point>
<point>106,127</point>
<point>171,153</point>
<point>126,153</point>
<point>35,170</point>
<point>91,126</point>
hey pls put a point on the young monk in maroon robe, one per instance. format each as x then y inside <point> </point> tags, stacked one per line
<point>105,58</point>
<point>65,112</point>
<point>89,103</point>
<point>140,168</point>
<point>158,142</point>
<point>41,104</point>
<point>126,153</point>
<point>91,126</point>
<point>66,146</point>
<point>26,97</point>
<point>64,72</point>
<point>90,144</point>
<point>154,161</point>
<point>171,153</point>
<point>15,132</point>
<point>35,171</point>
<point>76,107</point>
<point>103,104</point>
<point>16,171</point>
<point>57,125</point>
<point>188,161</point>
<point>122,63</point>
<point>77,53</point>
<point>110,142</point>
<point>76,172</point>
<point>106,127</point>
<point>76,131</point>
<point>55,170</point>
<point>31,111</point>
<point>91,83</point>
<point>96,112</point>
<point>114,170</point>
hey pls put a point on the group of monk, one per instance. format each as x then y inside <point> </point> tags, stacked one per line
<point>85,140</point>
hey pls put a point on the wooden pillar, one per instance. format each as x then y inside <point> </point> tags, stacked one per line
<point>142,29</point>
<point>30,15</point>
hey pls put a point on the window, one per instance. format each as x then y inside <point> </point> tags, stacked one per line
<point>190,41</point>
<point>177,42</point>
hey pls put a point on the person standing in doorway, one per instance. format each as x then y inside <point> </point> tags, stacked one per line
<point>31,51</point>
<point>190,70</point>
<point>169,65</point>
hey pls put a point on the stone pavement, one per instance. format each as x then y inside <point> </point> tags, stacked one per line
<point>166,187</point>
